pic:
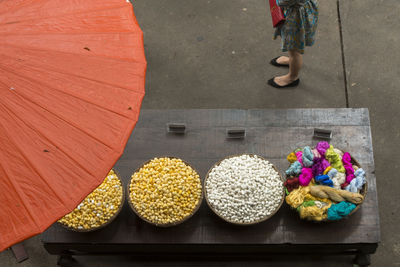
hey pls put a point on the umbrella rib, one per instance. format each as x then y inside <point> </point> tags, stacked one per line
<point>33,166</point>
<point>87,78</point>
<point>16,187</point>
<point>69,94</point>
<point>90,79</point>
<point>65,14</point>
<point>70,53</point>
<point>12,8</point>
<point>45,137</point>
<point>69,33</point>
<point>138,35</point>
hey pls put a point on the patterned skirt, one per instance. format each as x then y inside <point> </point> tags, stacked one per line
<point>300,26</point>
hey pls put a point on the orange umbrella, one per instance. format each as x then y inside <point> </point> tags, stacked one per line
<point>72,79</point>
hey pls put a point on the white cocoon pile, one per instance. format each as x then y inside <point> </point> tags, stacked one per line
<point>244,189</point>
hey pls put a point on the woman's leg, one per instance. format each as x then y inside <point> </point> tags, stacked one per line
<point>295,63</point>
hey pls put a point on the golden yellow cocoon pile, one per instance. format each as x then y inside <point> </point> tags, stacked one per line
<point>165,190</point>
<point>98,207</point>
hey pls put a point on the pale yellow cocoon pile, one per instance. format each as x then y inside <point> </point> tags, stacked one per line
<point>98,207</point>
<point>165,191</point>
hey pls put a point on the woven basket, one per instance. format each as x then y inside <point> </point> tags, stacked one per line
<point>363,192</point>
<point>168,224</point>
<point>109,220</point>
<point>238,223</point>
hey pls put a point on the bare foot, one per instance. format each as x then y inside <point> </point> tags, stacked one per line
<point>283,60</point>
<point>284,80</point>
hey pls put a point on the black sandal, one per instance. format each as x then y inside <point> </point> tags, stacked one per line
<point>275,63</point>
<point>274,84</point>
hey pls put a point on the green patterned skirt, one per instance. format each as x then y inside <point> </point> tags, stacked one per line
<point>300,26</point>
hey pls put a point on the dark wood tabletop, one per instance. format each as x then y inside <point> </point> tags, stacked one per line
<point>269,133</point>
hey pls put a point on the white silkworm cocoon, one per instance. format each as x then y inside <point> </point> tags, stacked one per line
<point>244,189</point>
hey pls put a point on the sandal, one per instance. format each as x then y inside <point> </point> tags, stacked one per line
<point>274,84</point>
<point>275,63</point>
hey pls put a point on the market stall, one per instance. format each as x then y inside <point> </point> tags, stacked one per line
<point>202,138</point>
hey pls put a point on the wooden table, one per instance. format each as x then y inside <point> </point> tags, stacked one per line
<point>269,133</point>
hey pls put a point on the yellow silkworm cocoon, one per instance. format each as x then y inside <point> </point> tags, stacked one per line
<point>98,207</point>
<point>165,190</point>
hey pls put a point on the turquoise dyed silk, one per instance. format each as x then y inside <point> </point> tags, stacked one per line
<point>340,210</point>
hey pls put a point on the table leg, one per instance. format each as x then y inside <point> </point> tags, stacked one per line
<point>19,252</point>
<point>64,259</point>
<point>362,259</point>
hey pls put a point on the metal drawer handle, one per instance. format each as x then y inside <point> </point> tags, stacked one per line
<point>176,128</point>
<point>322,134</point>
<point>236,133</point>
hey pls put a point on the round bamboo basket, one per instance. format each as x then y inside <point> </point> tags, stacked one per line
<point>363,192</point>
<point>109,220</point>
<point>168,224</point>
<point>238,223</point>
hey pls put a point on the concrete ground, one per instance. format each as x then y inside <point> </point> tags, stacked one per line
<point>215,54</point>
